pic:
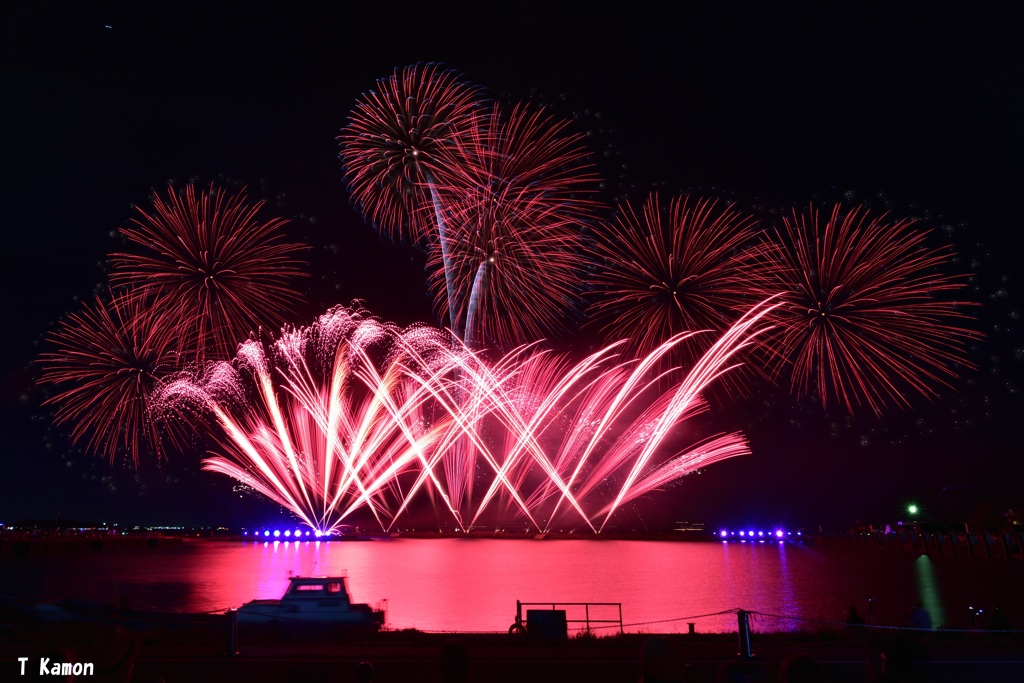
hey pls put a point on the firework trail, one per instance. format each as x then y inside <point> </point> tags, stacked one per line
<point>105,367</point>
<point>351,413</point>
<point>868,316</point>
<point>513,191</point>
<point>494,198</point>
<point>516,191</point>
<point>327,418</point>
<point>586,425</point>
<point>209,260</point>
<point>391,150</point>
<point>665,270</point>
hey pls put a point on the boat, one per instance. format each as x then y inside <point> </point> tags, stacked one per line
<point>308,599</point>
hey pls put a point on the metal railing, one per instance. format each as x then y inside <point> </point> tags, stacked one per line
<point>587,620</point>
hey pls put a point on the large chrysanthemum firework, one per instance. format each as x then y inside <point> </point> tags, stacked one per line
<point>390,147</point>
<point>869,316</point>
<point>666,270</point>
<point>208,259</point>
<point>516,191</point>
<point>106,365</point>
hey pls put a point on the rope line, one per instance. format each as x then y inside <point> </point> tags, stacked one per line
<point>819,622</point>
<point>853,627</point>
<point>667,621</point>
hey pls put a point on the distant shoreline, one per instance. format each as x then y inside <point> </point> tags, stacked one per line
<point>986,546</point>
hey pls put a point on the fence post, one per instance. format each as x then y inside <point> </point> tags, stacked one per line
<point>743,618</point>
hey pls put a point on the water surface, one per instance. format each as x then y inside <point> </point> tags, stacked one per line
<point>473,584</point>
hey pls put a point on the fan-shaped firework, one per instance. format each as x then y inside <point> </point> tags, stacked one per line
<point>665,271</point>
<point>352,413</point>
<point>209,260</point>
<point>391,144</point>
<point>107,362</point>
<point>516,191</point>
<point>584,438</point>
<point>326,419</point>
<point>869,315</point>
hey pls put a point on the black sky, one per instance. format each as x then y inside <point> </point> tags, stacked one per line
<point>913,109</point>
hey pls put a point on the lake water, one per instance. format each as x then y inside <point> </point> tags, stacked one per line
<point>473,584</point>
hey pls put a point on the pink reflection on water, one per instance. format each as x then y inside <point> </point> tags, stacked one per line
<point>473,584</point>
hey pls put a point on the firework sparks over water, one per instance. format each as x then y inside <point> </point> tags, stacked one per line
<point>327,418</point>
<point>598,429</point>
<point>351,413</point>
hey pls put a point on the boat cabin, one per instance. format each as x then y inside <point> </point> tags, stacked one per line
<point>316,588</point>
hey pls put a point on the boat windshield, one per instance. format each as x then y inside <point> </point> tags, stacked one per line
<point>328,587</point>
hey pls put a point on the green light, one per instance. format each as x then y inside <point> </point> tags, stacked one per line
<point>912,509</point>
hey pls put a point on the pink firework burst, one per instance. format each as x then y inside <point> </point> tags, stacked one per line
<point>105,367</point>
<point>327,419</point>
<point>351,413</point>
<point>516,191</point>
<point>686,266</point>
<point>207,258</point>
<point>390,148</point>
<point>582,439</point>
<point>869,315</point>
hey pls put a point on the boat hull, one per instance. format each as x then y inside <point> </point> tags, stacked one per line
<point>313,600</point>
<point>264,612</point>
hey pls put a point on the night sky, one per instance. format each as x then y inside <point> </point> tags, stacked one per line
<point>915,111</point>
